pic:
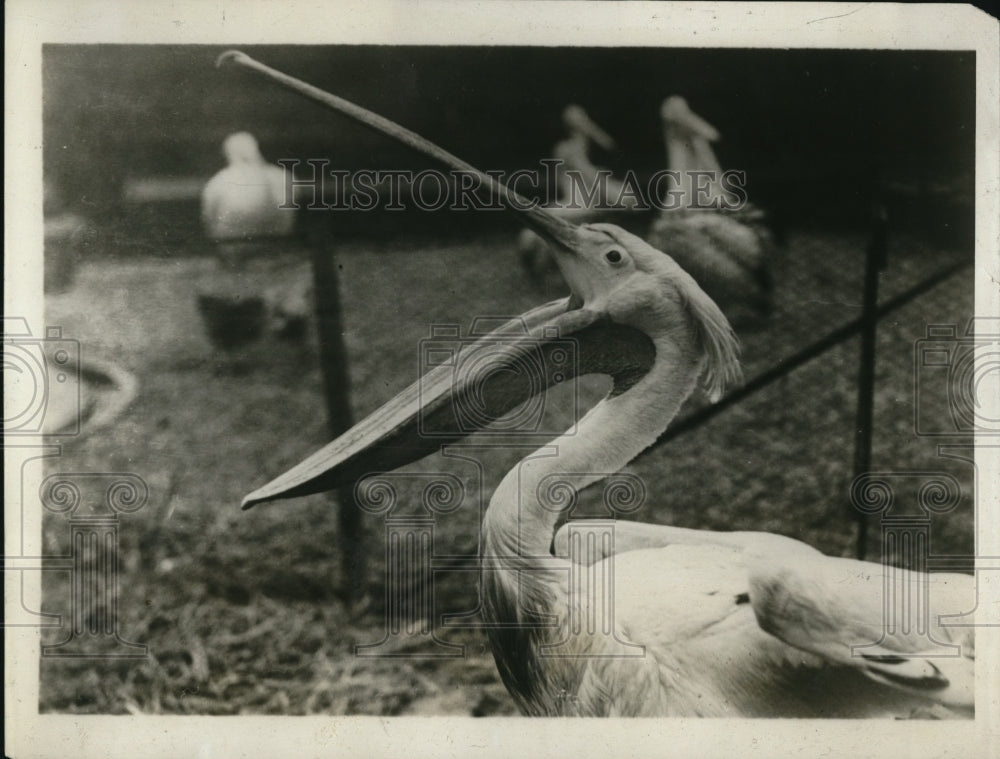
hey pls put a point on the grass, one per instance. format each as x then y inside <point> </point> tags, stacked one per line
<point>241,611</point>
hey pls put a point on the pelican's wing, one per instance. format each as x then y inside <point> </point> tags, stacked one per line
<point>636,536</point>
<point>878,619</point>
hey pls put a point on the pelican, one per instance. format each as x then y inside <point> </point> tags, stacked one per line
<point>573,156</point>
<point>705,623</point>
<point>727,252</point>
<point>244,211</point>
<point>243,201</point>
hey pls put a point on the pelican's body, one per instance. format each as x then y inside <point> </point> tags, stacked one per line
<point>727,251</point>
<point>666,621</point>
<point>712,613</point>
<point>244,200</point>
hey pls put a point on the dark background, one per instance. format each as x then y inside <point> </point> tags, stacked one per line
<point>813,129</point>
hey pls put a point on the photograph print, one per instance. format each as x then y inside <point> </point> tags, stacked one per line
<point>505,380</point>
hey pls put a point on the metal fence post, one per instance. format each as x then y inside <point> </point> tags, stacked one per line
<point>336,392</point>
<point>876,258</point>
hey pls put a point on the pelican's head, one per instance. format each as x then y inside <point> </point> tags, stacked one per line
<point>613,273</point>
<point>628,301</point>
<point>577,121</point>
<point>240,148</point>
<point>677,115</point>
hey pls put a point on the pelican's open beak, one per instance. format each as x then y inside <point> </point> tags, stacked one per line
<point>487,379</point>
<point>468,390</point>
<point>676,113</point>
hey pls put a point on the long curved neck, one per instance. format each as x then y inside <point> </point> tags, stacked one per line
<point>677,150</point>
<point>680,158</point>
<point>687,152</point>
<point>573,154</point>
<point>606,439</point>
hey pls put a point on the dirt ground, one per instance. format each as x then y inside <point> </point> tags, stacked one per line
<point>241,611</point>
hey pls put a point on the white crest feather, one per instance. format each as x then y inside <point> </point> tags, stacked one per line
<point>716,339</point>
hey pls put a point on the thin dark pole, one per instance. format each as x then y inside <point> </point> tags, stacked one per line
<point>336,392</point>
<point>876,258</point>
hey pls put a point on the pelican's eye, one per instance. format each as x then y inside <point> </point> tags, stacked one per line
<point>613,256</point>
